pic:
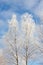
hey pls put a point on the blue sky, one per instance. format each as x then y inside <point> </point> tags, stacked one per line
<point>9,7</point>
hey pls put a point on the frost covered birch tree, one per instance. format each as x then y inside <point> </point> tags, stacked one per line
<point>29,49</point>
<point>20,46</point>
<point>28,26</point>
<point>11,40</point>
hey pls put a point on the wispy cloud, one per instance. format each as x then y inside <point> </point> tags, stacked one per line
<point>18,6</point>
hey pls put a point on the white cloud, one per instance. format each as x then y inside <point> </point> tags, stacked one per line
<point>28,4</point>
<point>39,10</point>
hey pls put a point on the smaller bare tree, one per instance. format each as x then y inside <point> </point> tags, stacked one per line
<point>11,40</point>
